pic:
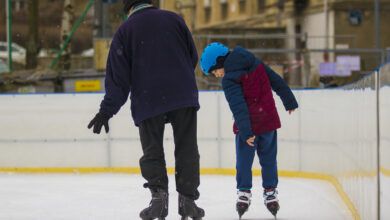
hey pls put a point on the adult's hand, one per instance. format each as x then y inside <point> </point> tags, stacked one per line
<point>98,121</point>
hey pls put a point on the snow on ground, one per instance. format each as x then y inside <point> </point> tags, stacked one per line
<point>121,196</point>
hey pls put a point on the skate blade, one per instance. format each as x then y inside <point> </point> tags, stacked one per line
<point>193,218</point>
<point>240,214</point>
<point>160,218</point>
<point>273,208</point>
<point>241,209</point>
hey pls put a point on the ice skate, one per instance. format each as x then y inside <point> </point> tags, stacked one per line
<point>243,201</point>
<point>271,200</point>
<point>158,206</point>
<point>188,209</point>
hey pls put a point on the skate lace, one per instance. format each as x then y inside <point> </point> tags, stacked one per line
<point>270,195</point>
<point>244,197</point>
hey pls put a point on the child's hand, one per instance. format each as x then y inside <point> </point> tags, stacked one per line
<point>291,111</point>
<point>250,141</point>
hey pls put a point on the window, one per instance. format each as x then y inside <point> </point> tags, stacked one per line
<point>207,10</point>
<point>207,13</point>
<point>242,6</point>
<point>19,5</point>
<point>224,10</point>
<point>260,6</point>
<point>22,5</point>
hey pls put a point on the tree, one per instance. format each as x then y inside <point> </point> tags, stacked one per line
<point>66,28</point>
<point>32,40</point>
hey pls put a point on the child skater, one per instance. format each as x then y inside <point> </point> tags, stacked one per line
<point>247,84</point>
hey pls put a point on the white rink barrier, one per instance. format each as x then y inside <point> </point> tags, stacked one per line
<point>50,130</point>
<point>384,103</point>
<point>333,132</point>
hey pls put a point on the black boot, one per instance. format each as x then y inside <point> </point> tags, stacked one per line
<point>188,208</point>
<point>158,206</point>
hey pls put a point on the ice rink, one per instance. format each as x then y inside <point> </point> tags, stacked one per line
<point>121,196</point>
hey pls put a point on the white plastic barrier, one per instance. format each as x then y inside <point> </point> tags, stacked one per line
<point>384,103</point>
<point>333,132</point>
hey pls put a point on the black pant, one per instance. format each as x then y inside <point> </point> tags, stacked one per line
<point>153,167</point>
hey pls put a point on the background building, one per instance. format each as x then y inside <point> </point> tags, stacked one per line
<point>300,25</point>
<point>294,37</point>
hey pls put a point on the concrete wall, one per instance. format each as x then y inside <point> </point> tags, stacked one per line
<point>365,32</point>
<point>314,26</point>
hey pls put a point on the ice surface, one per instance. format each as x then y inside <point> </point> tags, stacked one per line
<point>121,196</point>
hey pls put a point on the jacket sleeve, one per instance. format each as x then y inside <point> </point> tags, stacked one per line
<point>192,49</point>
<point>117,82</point>
<point>190,43</point>
<point>235,97</point>
<point>282,89</point>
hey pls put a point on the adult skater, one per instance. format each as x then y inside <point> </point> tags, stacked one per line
<point>153,56</point>
<point>247,84</point>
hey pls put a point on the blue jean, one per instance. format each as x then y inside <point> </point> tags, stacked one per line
<point>266,147</point>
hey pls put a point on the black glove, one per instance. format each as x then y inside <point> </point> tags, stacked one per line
<point>98,121</point>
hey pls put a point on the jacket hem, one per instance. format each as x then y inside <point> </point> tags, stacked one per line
<point>168,109</point>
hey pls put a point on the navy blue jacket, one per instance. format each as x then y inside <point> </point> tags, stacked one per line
<point>241,62</point>
<point>152,56</point>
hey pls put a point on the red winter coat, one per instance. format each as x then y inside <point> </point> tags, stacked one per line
<point>248,85</point>
<point>261,104</point>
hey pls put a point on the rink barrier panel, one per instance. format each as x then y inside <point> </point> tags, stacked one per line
<point>303,146</point>
<point>203,171</point>
<point>385,171</point>
<point>47,145</point>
